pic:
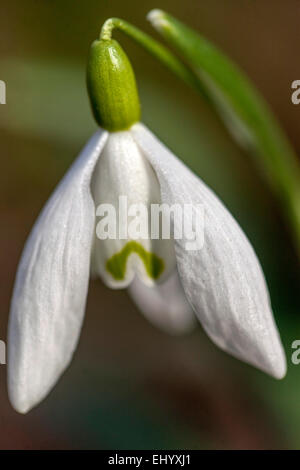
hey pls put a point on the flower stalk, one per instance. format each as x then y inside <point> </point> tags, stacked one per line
<point>154,48</point>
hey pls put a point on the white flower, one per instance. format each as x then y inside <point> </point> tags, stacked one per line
<point>223,281</point>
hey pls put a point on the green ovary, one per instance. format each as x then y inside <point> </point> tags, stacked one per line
<point>116,265</point>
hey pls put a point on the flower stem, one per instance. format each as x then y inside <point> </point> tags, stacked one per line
<point>157,50</point>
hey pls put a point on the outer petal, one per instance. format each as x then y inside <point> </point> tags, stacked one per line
<point>165,305</point>
<point>51,285</point>
<point>223,281</point>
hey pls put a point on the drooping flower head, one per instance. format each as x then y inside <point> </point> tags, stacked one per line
<point>220,282</point>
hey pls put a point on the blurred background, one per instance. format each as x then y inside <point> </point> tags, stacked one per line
<point>131,386</point>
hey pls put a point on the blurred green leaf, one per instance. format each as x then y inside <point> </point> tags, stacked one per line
<point>47,99</point>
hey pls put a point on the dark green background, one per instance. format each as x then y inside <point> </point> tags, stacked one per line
<point>131,386</point>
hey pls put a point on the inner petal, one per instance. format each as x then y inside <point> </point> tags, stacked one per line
<point>124,188</point>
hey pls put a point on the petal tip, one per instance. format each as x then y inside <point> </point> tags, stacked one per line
<point>19,405</point>
<point>279,371</point>
<point>22,409</point>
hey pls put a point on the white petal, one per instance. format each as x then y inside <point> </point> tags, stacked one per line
<point>223,281</point>
<point>165,305</point>
<point>122,171</point>
<point>51,285</point>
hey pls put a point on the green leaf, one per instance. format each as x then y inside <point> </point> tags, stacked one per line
<point>243,110</point>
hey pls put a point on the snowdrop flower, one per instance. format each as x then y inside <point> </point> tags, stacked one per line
<point>222,284</point>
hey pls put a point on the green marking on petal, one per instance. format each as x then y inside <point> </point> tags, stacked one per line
<point>116,265</point>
